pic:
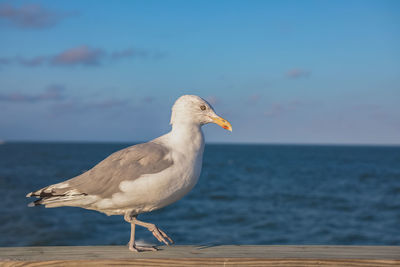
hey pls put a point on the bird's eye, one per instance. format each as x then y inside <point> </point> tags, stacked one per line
<point>203,107</point>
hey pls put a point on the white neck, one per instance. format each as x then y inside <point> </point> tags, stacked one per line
<point>187,136</point>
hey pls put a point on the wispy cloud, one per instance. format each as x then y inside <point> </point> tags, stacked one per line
<point>4,61</point>
<point>375,111</point>
<point>62,103</point>
<point>130,52</point>
<point>51,93</point>
<point>297,73</point>
<point>149,99</point>
<point>78,55</point>
<point>82,106</point>
<point>32,62</point>
<point>81,55</point>
<point>32,16</point>
<point>254,99</point>
<point>106,103</point>
<point>278,109</point>
<point>274,111</point>
<point>367,107</point>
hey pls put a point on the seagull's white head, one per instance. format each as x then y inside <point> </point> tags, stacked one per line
<point>189,109</point>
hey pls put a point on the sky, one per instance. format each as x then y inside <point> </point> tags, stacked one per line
<point>297,72</point>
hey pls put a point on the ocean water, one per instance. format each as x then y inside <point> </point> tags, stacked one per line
<point>247,194</point>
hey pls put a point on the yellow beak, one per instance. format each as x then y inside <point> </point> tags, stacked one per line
<point>223,123</point>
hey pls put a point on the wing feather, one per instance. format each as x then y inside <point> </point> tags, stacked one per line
<point>103,180</point>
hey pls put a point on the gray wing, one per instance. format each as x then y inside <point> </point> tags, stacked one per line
<point>104,178</point>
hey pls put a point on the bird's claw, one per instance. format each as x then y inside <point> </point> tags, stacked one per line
<point>161,236</point>
<point>136,248</point>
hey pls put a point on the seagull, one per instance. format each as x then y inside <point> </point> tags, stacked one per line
<point>143,177</point>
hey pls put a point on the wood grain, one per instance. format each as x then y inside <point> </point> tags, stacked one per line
<point>230,255</point>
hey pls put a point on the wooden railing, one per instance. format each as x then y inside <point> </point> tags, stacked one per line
<point>228,255</point>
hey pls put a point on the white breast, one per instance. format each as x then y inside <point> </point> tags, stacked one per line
<point>154,191</point>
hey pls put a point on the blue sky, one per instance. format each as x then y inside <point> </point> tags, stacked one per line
<point>279,71</point>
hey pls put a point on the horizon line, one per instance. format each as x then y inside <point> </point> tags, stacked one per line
<point>2,142</point>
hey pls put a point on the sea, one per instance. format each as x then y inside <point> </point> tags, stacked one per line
<point>247,194</point>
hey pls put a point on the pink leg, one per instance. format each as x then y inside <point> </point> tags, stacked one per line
<point>157,232</point>
<point>131,245</point>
